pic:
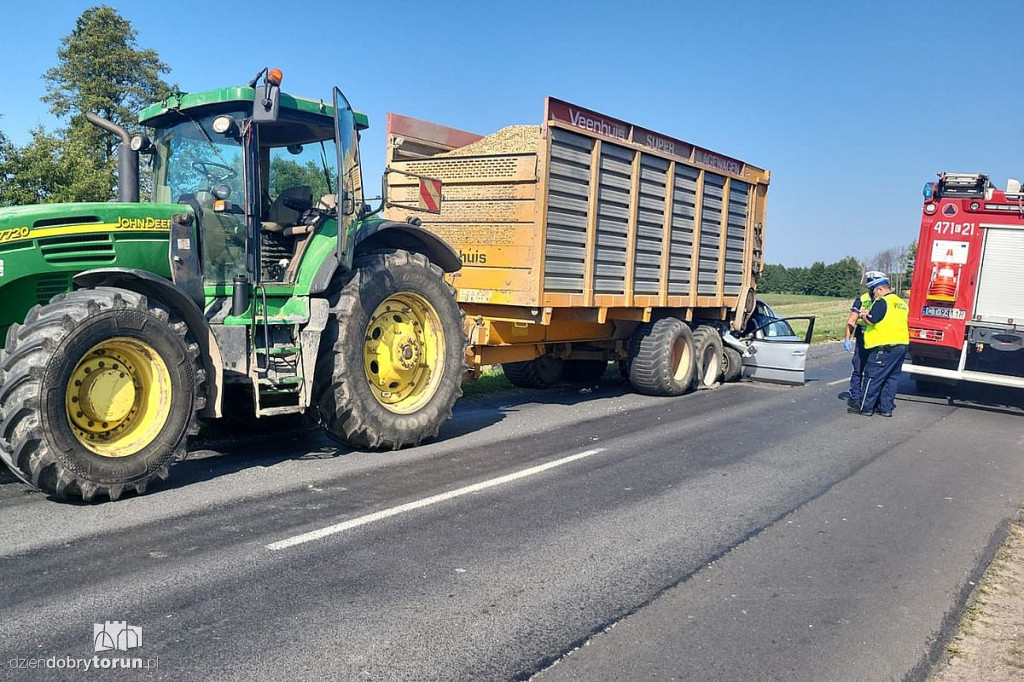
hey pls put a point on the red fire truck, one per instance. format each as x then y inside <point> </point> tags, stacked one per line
<point>967,296</point>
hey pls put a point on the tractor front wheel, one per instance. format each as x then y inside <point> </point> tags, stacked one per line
<point>99,391</point>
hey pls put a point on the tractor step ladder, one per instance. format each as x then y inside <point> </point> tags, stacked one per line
<point>267,376</point>
<point>280,351</point>
<point>283,409</point>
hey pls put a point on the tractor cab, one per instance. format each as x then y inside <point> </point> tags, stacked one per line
<point>260,170</point>
<point>270,178</point>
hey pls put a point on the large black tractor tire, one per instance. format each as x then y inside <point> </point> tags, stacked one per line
<point>661,358</point>
<point>85,357</point>
<point>707,354</point>
<point>541,372</point>
<point>392,354</point>
<point>584,371</point>
<point>732,364</point>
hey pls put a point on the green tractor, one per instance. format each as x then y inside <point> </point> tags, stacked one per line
<point>258,281</point>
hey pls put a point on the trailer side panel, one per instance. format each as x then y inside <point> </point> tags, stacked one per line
<point>590,219</point>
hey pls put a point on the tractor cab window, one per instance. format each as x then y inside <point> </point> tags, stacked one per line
<point>302,166</point>
<point>200,167</point>
<point>297,193</point>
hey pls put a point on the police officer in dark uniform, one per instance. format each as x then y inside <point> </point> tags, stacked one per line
<point>886,340</point>
<point>854,341</point>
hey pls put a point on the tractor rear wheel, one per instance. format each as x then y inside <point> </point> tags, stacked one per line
<point>541,372</point>
<point>392,354</point>
<point>707,353</point>
<point>99,389</point>
<point>661,358</point>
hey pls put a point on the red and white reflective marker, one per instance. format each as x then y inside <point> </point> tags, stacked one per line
<point>430,195</point>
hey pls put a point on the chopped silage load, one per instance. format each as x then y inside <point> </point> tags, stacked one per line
<point>518,139</point>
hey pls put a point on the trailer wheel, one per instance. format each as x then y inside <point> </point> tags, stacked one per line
<point>100,391</point>
<point>661,358</point>
<point>584,371</point>
<point>541,372</point>
<point>392,353</point>
<point>732,364</point>
<point>707,353</point>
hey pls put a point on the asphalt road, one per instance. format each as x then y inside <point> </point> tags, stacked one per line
<point>749,532</point>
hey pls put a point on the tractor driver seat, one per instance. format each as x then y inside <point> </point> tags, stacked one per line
<point>284,232</point>
<point>287,209</point>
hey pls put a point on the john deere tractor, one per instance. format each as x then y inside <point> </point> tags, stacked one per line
<point>258,280</point>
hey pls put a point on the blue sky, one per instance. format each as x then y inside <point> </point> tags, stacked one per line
<point>852,106</point>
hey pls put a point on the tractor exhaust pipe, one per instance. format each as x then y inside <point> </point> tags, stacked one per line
<point>127,159</point>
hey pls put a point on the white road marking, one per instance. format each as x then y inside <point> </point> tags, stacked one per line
<point>425,502</point>
<point>838,381</point>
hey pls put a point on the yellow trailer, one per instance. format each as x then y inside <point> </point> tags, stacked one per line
<point>579,236</point>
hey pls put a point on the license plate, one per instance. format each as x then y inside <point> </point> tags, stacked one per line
<point>948,313</point>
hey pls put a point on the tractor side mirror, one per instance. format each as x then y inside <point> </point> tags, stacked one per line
<point>266,105</point>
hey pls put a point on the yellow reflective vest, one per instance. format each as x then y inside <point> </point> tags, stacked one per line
<point>865,304</point>
<point>891,330</point>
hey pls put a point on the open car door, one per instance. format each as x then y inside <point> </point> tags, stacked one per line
<point>777,354</point>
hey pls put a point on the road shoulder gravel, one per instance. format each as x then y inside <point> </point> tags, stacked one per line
<point>989,642</point>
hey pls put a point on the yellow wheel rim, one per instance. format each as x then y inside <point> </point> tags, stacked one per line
<point>119,397</point>
<point>403,352</point>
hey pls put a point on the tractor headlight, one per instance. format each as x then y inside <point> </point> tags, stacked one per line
<point>141,144</point>
<point>223,124</point>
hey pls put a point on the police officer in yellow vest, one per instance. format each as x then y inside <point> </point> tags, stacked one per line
<point>886,340</point>
<point>854,341</point>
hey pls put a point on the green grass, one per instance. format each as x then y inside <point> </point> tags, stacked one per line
<point>491,380</point>
<point>830,313</point>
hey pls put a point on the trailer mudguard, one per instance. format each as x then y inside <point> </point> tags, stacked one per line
<point>158,288</point>
<point>388,234</point>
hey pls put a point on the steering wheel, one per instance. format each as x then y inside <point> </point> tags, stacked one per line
<point>205,167</point>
